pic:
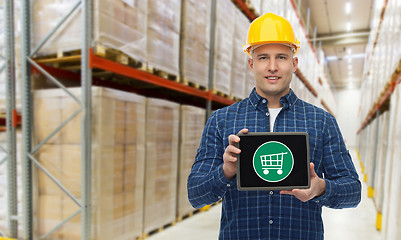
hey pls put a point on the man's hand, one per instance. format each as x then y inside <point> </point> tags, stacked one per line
<point>317,187</point>
<point>230,155</point>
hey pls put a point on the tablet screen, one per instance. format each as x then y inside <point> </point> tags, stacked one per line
<point>273,161</point>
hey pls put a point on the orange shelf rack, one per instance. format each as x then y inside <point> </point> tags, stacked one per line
<point>245,9</point>
<point>141,82</point>
<point>16,120</point>
<point>382,100</point>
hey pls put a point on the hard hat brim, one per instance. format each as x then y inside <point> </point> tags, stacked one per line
<point>248,47</point>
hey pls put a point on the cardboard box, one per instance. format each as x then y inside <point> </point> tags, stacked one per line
<point>192,121</point>
<point>116,25</point>
<point>162,119</point>
<point>195,41</point>
<point>117,166</point>
<point>163,35</point>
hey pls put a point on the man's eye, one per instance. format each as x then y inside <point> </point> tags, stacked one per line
<point>262,58</point>
<point>282,57</point>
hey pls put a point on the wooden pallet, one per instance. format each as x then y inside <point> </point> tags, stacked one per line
<point>221,94</point>
<point>158,230</point>
<point>163,74</point>
<point>71,60</point>
<point>186,82</point>
<point>188,215</point>
<point>62,59</point>
<point>251,8</point>
<point>118,56</point>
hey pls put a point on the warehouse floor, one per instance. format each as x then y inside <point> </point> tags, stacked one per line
<point>356,223</point>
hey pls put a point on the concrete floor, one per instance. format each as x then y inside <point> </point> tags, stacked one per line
<point>356,223</point>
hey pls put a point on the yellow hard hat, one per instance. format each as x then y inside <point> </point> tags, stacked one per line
<point>270,28</point>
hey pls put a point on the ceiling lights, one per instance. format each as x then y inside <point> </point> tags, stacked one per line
<point>348,27</point>
<point>348,8</point>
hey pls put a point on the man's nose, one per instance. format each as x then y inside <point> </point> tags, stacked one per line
<point>272,65</point>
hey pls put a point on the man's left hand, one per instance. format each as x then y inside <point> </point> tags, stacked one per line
<point>317,187</point>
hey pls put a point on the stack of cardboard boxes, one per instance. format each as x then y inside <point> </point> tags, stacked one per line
<point>118,155</point>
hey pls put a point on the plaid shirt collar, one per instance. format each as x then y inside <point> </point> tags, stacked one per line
<point>287,101</point>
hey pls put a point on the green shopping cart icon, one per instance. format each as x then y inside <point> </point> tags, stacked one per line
<point>273,161</point>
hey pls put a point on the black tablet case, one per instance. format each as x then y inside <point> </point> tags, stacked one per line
<point>297,142</point>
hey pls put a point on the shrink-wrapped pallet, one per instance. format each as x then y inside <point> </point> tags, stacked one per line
<point>162,130</point>
<point>117,24</point>
<point>392,204</point>
<point>255,5</point>
<point>250,81</point>
<point>381,160</point>
<point>240,59</point>
<point>163,35</point>
<point>223,46</point>
<point>195,41</point>
<point>118,154</point>
<point>2,60</point>
<point>192,121</point>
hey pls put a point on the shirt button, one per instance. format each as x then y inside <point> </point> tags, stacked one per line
<point>267,114</point>
<point>264,101</point>
<point>271,221</point>
<point>228,185</point>
<point>271,192</point>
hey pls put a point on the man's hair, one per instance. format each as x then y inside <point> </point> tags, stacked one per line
<point>252,48</point>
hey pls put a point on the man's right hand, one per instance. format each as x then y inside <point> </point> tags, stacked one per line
<point>230,155</point>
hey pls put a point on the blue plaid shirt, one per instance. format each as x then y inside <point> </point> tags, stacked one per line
<point>267,214</point>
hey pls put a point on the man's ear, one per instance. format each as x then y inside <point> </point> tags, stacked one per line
<point>295,64</point>
<point>250,63</point>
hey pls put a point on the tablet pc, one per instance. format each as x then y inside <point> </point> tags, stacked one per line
<point>273,161</point>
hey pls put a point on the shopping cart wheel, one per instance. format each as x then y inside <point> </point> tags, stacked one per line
<point>279,172</point>
<point>266,171</point>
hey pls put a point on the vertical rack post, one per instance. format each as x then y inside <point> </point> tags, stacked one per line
<point>211,55</point>
<point>375,157</point>
<point>86,126</point>
<point>10,111</point>
<point>26,118</point>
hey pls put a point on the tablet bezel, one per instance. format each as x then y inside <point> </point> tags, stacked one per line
<point>241,188</point>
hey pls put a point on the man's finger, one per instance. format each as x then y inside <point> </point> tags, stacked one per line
<point>288,192</point>
<point>244,130</point>
<point>233,139</point>
<point>233,150</point>
<point>312,170</point>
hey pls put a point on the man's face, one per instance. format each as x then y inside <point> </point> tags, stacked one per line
<point>273,66</point>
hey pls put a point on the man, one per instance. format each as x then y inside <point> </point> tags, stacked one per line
<point>272,106</point>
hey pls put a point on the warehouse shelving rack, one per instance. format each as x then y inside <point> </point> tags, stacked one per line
<point>378,107</point>
<point>10,121</point>
<point>28,150</point>
<point>388,88</point>
<point>89,62</point>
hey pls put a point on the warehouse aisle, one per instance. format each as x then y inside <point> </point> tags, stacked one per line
<point>352,223</point>
<point>356,223</point>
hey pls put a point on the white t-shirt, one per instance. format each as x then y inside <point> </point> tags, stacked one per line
<point>273,115</point>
